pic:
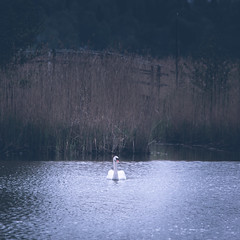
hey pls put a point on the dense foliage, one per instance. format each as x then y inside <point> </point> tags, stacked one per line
<point>156,27</point>
<point>19,26</point>
<point>63,102</point>
<point>144,26</point>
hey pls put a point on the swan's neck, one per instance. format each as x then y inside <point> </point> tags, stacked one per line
<point>115,166</point>
<point>115,170</point>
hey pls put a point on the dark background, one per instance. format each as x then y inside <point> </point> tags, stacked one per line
<point>155,27</point>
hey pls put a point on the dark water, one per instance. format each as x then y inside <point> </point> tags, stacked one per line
<point>160,199</point>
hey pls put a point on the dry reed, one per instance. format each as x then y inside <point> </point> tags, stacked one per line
<point>86,102</point>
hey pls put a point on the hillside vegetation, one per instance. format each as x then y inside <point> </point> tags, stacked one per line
<point>73,103</point>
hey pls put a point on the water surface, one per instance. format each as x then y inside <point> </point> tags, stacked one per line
<point>160,199</point>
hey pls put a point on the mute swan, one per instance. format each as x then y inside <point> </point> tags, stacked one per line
<point>115,174</point>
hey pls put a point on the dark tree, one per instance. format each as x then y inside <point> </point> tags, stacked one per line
<point>19,26</point>
<point>143,26</point>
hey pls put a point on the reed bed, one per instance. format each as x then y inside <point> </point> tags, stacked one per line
<point>84,102</point>
<point>199,115</point>
<point>74,103</point>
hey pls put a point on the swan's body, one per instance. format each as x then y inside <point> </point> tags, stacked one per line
<point>115,174</point>
<point>120,175</point>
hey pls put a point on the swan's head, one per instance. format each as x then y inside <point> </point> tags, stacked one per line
<point>116,159</point>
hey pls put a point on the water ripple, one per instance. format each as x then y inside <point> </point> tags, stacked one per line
<point>159,200</point>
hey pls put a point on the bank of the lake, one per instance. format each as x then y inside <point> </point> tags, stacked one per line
<point>70,103</point>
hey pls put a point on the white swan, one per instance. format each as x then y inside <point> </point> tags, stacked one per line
<point>115,174</point>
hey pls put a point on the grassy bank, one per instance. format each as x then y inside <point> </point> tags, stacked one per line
<point>73,103</point>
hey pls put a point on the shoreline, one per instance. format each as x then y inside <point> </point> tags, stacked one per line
<point>72,104</point>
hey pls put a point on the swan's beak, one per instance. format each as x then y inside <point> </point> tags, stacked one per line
<point>117,161</point>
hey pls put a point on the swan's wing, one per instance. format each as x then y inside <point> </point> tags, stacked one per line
<point>121,175</point>
<point>110,174</point>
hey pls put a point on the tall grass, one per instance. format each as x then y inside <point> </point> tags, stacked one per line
<point>83,102</point>
<point>198,113</point>
<point>74,103</point>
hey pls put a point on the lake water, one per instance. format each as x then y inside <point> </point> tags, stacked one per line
<point>161,199</point>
